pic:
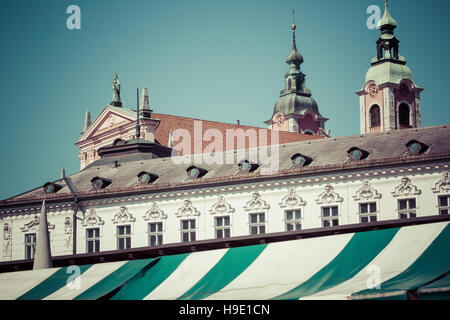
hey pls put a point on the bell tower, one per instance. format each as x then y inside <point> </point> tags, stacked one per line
<point>296,110</point>
<point>390,99</point>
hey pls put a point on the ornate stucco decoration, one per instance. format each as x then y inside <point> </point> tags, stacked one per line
<point>6,239</point>
<point>154,213</point>
<point>221,207</point>
<point>292,199</point>
<point>34,224</point>
<point>366,192</point>
<point>187,210</point>
<point>68,227</point>
<point>92,219</point>
<point>329,196</point>
<point>406,188</point>
<point>256,203</point>
<point>123,216</point>
<point>442,185</point>
<point>373,90</point>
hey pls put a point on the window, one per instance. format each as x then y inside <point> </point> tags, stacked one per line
<point>375,119</point>
<point>93,240</point>
<point>403,114</point>
<point>222,227</point>
<point>257,223</point>
<point>368,212</point>
<point>289,84</point>
<point>407,208</point>
<point>30,245</point>
<point>330,216</point>
<point>188,230</point>
<point>444,204</point>
<point>293,220</point>
<point>123,237</point>
<point>155,234</point>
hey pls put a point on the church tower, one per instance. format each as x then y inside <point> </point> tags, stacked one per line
<point>390,99</point>
<point>296,110</point>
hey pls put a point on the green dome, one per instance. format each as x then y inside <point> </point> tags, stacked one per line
<point>294,103</point>
<point>388,72</point>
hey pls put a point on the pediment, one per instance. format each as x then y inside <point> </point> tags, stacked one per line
<point>109,118</point>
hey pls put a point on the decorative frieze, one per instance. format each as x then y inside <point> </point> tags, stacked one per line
<point>34,224</point>
<point>256,203</point>
<point>292,199</point>
<point>405,189</point>
<point>221,207</point>
<point>123,216</point>
<point>442,185</point>
<point>366,192</point>
<point>328,196</point>
<point>154,213</point>
<point>6,239</point>
<point>187,210</point>
<point>92,219</point>
<point>68,232</point>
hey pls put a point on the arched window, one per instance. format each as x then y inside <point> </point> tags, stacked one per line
<point>375,119</point>
<point>289,84</point>
<point>403,115</point>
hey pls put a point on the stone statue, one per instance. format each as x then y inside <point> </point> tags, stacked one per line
<point>116,92</point>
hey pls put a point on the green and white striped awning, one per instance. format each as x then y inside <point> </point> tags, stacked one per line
<point>344,266</point>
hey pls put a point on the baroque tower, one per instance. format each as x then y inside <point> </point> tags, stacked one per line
<point>296,110</point>
<point>390,99</point>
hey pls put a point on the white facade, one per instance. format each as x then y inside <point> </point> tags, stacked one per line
<point>383,186</point>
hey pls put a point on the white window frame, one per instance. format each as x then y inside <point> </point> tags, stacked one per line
<point>93,239</point>
<point>439,196</point>
<point>294,220</point>
<point>189,230</point>
<point>330,218</point>
<point>257,224</point>
<point>407,210</point>
<point>156,233</point>
<point>123,236</point>
<point>30,244</point>
<point>368,214</point>
<point>223,227</point>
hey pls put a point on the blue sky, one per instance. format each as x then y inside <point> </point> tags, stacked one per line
<point>215,60</point>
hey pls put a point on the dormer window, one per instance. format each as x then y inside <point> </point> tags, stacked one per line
<point>415,147</point>
<point>356,154</point>
<point>50,187</point>
<point>195,172</point>
<point>247,167</point>
<point>300,160</point>
<point>146,177</point>
<point>100,183</point>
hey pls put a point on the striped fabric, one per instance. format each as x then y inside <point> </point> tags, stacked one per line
<point>379,264</point>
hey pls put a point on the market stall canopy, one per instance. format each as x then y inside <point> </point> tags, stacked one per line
<point>385,263</point>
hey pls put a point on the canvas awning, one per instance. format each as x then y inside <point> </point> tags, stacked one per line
<point>345,266</point>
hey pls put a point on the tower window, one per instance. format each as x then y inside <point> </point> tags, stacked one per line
<point>403,114</point>
<point>289,84</point>
<point>375,118</point>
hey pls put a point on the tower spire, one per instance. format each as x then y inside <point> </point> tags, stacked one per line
<point>294,57</point>
<point>138,127</point>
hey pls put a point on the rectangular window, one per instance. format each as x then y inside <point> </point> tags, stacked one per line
<point>30,245</point>
<point>188,230</point>
<point>444,204</point>
<point>368,212</point>
<point>222,227</point>
<point>293,220</point>
<point>257,223</point>
<point>93,240</point>
<point>155,234</point>
<point>407,208</point>
<point>123,237</point>
<point>330,216</point>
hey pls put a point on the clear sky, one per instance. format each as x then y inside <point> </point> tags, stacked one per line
<point>210,59</point>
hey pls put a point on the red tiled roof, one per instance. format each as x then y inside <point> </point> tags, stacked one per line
<point>169,123</point>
